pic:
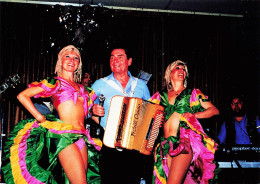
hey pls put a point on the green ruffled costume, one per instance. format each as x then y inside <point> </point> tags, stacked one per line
<point>190,136</point>
<point>31,150</point>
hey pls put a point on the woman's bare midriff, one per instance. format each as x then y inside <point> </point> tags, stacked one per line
<point>72,114</point>
<point>171,125</point>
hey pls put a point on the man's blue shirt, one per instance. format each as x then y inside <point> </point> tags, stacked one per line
<point>102,87</point>
<point>241,131</point>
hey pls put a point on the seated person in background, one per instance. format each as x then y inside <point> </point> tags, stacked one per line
<point>87,79</point>
<point>240,127</point>
<point>95,130</point>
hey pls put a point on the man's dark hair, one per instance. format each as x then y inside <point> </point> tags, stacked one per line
<point>86,71</point>
<point>126,47</point>
<point>237,95</point>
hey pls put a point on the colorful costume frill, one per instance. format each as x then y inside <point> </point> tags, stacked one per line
<point>31,149</point>
<point>190,137</point>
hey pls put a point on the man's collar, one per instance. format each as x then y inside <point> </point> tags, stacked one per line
<point>111,76</point>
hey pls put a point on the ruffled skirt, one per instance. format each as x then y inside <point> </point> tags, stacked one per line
<point>191,138</point>
<point>31,151</point>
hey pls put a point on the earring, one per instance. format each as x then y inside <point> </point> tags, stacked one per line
<point>169,85</point>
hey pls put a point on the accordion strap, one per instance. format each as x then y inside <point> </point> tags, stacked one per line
<point>118,88</point>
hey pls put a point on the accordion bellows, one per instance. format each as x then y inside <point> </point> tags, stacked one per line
<point>133,124</point>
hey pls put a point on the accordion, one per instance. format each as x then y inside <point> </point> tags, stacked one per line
<point>133,124</point>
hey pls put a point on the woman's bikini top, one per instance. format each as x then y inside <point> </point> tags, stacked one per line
<point>61,90</point>
<point>187,101</point>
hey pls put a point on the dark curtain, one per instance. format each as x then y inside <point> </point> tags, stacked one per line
<point>32,35</point>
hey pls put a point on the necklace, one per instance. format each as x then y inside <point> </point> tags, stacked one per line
<point>176,92</point>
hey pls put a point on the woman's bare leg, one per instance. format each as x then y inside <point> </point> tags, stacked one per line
<point>73,164</point>
<point>178,165</point>
<point>84,154</point>
<point>169,161</point>
<point>178,168</point>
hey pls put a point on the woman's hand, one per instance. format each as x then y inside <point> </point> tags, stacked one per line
<point>187,115</point>
<point>41,118</point>
<point>25,98</point>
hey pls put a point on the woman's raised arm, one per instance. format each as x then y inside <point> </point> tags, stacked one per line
<point>210,110</point>
<point>25,98</point>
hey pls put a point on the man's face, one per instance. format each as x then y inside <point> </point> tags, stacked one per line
<point>86,80</point>
<point>119,62</point>
<point>236,106</point>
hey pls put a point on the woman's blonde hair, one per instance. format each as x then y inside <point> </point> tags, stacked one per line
<point>169,71</point>
<point>58,68</point>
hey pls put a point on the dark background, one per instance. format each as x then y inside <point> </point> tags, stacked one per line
<point>222,52</point>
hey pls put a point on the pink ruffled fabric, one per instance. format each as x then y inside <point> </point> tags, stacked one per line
<point>202,166</point>
<point>202,162</point>
<point>155,98</point>
<point>49,89</point>
<point>191,138</point>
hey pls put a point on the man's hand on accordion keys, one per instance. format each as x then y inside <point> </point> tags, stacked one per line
<point>162,121</point>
